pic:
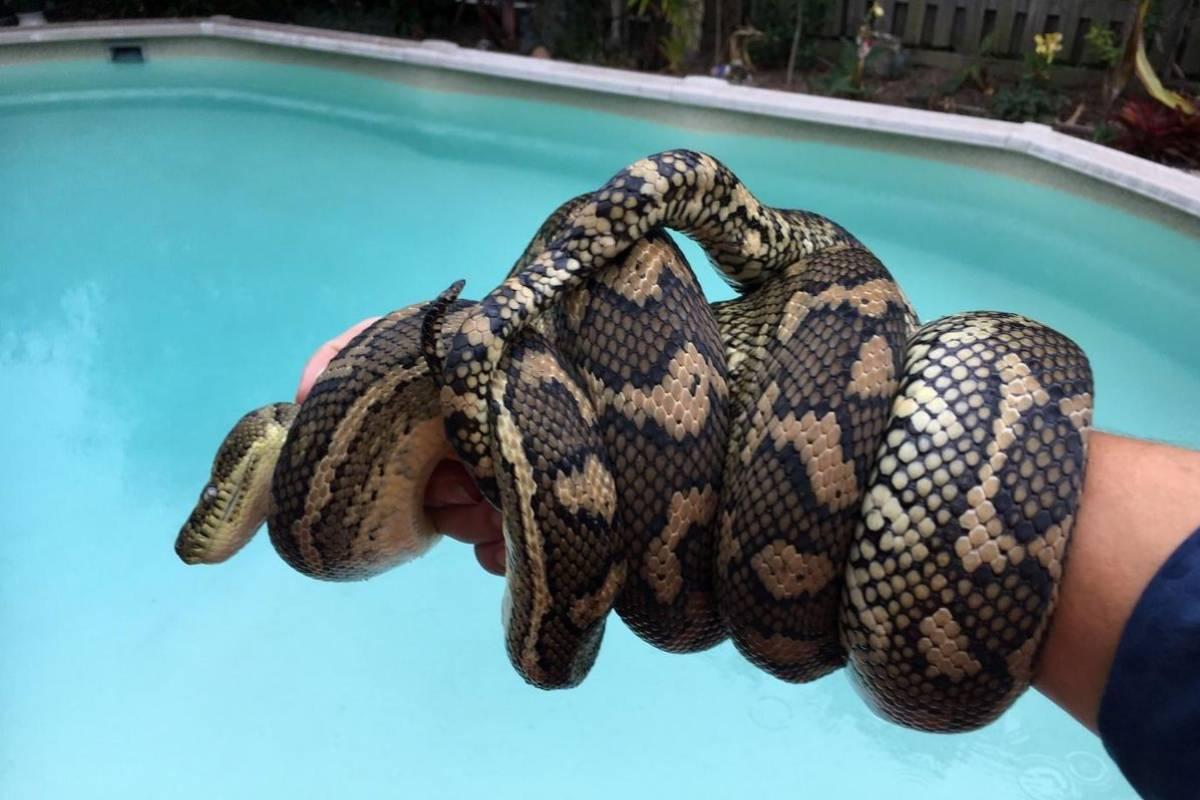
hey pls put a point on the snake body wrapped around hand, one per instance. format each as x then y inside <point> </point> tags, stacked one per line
<point>801,469</point>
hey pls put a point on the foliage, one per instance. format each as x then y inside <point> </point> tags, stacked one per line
<point>1027,101</point>
<point>1152,130</point>
<point>1038,61</point>
<point>1134,61</point>
<point>976,73</point>
<point>841,80</point>
<point>1047,45</point>
<point>1032,98</point>
<point>118,9</point>
<point>676,43</point>
<point>872,43</point>
<point>406,13</point>
<point>664,7</point>
<point>1102,45</point>
<point>1104,134</point>
<point>675,47</point>
<point>777,20</point>
<point>573,31</point>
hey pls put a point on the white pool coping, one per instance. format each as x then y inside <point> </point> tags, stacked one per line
<point>1171,187</point>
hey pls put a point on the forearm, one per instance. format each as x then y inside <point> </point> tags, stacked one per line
<point>1140,501</point>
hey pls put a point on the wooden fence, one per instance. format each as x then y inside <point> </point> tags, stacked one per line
<point>956,28</point>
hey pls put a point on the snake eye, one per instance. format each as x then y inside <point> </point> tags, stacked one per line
<point>209,494</point>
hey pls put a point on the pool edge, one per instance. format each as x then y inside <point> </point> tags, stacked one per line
<point>1171,187</point>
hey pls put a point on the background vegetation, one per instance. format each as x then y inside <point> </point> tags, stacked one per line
<point>1143,103</point>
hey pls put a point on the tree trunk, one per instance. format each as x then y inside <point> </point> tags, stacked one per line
<point>717,56</point>
<point>791,67</point>
<point>691,20</point>
<point>616,38</point>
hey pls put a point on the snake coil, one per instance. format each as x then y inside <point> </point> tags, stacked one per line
<point>801,469</point>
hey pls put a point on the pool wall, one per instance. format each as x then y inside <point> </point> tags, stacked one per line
<point>1030,151</point>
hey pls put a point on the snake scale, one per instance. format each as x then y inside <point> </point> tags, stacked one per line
<point>801,469</point>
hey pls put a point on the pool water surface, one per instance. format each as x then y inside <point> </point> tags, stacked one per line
<point>177,237</point>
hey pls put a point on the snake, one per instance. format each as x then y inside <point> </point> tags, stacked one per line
<point>804,469</point>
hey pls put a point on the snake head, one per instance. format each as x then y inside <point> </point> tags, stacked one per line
<point>431,326</point>
<point>235,501</point>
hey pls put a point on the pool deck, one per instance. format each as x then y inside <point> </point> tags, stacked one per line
<point>1172,187</point>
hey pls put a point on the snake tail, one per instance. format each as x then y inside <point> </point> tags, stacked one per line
<point>686,191</point>
<point>431,326</point>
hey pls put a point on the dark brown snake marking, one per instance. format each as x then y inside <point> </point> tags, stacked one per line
<point>799,468</point>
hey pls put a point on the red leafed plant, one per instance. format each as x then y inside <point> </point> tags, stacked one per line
<point>1152,130</point>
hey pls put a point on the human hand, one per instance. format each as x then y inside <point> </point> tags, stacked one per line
<point>452,499</point>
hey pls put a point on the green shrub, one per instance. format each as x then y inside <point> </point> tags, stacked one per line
<point>1025,102</point>
<point>777,20</point>
<point>1102,45</point>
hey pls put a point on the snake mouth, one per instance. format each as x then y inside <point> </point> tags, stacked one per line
<point>192,546</point>
<point>218,528</point>
<point>236,499</point>
<point>194,541</point>
<point>185,552</point>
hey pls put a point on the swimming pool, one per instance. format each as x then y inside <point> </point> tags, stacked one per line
<point>176,239</point>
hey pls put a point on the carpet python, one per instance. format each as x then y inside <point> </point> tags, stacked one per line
<point>802,469</point>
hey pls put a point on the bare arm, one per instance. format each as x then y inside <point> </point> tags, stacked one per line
<point>1140,501</point>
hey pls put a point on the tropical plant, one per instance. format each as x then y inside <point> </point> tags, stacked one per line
<point>841,80</point>
<point>865,40</point>
<point>870,41</point>
<point>976,73</point>
<point>1038,62</point>
<point>681,37</point>
<point>1134,61</point>
<point>1027,101</point>
<point>777,19</point>
<point>1102,45</point>
<point>1033,97</point>
<point>1150,129</point>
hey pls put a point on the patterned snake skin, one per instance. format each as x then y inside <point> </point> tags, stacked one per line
<point>800,469</point>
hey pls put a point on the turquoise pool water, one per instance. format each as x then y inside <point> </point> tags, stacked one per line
<point>176,238</point>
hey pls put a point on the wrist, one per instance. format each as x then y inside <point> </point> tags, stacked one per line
<point>1140,501</point>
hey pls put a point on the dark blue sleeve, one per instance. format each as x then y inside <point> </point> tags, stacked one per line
<point>1150,712</point>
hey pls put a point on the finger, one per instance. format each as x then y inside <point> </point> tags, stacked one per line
<point>324,354</point>
<point>477,524</point>
<point>451,485</point>
<point>491,557</point>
